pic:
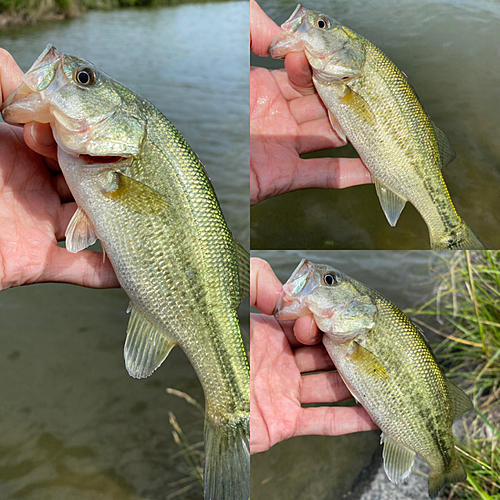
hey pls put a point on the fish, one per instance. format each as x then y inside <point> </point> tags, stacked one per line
<point>371,103</point>
<point>144,193</point>
<point>387,365</point>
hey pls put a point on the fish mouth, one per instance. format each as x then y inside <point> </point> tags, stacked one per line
<point>293,37</point>
<point>286,41</point>
<point>291,303</point>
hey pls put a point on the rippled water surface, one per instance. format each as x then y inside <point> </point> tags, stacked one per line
<point>73,424</point>
<point>450,51</point>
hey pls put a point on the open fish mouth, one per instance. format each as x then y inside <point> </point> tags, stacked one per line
<point>292,300</point>
<point>80,103</point>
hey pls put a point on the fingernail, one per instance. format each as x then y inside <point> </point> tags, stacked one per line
<point>313,336</point>
<point>45,139</point>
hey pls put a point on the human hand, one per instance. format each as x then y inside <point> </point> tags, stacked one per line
<point>279,354</point>
<point>288,119</point>
<point>36,207</point>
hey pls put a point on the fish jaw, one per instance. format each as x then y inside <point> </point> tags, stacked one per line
<point>339,308</point>
<point>333,51</point>
<point>85,119</point>
<point>292,302</point>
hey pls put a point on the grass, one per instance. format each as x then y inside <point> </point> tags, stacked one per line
<point>467,308</point>
<point>31,11</point>
<point>191,452</point>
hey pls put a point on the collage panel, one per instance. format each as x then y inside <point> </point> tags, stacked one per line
<point>73,423</point>
<point>407,345</point>
<point>394,81</point>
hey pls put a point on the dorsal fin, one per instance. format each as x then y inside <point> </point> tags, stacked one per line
<point>460,402</point>
<point>243,270</point>
<point>446,150</point>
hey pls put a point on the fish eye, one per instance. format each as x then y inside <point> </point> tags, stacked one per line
<point>323,22</point>
<point>331,278</point>
<point>85,76</point>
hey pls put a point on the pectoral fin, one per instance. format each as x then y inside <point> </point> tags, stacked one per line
<point>336,126</point>
<point>366,362</point>
<point>461,403</point>
<point>392,204</point>
<point>145,348</point>
<point>136,196</point>
<point>80,233</point>
<point>398,460</point>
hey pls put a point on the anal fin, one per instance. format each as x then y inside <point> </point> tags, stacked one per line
<point>392,204</point>
<point>398,460</point>
<point>80,233</point>
<point>145,348</point>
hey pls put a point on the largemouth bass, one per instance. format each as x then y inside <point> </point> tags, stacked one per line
<point>145,195</point>
<point>386,363</point>
<point>371,103</point>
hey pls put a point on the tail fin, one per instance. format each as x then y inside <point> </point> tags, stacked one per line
<point>453,474</point>
<point>461,238</point>
<point>227,459</point>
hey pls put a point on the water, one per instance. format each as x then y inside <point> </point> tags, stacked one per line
<point>333,468</point>
<point>73,424</point>
<point>450,52</point>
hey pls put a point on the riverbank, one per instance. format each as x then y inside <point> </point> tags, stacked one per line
<point>15,12</point>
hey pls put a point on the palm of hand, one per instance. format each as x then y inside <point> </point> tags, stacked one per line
<point>275,385</point>
<point>34,217</point>
<point>288,119</point>
<point>30,212</point>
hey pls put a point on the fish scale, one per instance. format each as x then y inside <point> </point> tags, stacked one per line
<point>387,365</point>
<point>160,224</point>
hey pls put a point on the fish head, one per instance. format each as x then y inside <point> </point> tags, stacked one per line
<point>333,51</point>
<point>85,107</point>
<point>341,306</point>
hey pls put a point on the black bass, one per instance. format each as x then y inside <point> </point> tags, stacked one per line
<point>145,195</point>
<point>371,103</point>
<point>386,363</point>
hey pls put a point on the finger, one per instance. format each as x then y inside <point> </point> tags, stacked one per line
<point>317,135</point>
<point>313,359</point>
<point>287,327</point>
<point>323,388</point>
<point>85,268</point>
<point>265,287</point>
<point>299,72</point>
<point>330,173</point>
<point>64,216</point>
<point>333,421</point>
<point>306,331</point>
<point>38,137</point>
<point>10,75</point>
<point>262,30</point>
<point>307,108</point>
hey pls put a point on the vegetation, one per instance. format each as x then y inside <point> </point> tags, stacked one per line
<point>468,308</point>
<point>30,11</point>
<point>192,453</point>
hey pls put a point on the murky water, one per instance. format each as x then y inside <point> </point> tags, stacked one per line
<point>73,424</point>
<point>450,52</point>
<point>332,468</point>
